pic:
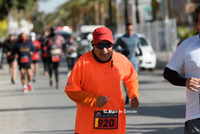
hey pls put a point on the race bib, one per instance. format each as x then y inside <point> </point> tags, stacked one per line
<point>44,54</point>
<point>55,58</point>
<point>24,59</point>
<point>106,119</point>
<point>55,51</point>
<point>35,57</point>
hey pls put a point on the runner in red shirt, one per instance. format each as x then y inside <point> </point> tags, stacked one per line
<point>35,57</point>
<point>95,85</point>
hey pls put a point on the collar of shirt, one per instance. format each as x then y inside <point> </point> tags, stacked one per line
<point>126,35</point>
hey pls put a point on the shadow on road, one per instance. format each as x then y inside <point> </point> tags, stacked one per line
<point>175,111</point>
<point>51,132</point>
<point>163,128</point>
<point>166,111</point>
<point>38,108</point>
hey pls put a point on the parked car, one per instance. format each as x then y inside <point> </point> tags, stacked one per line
<point>148,58</point>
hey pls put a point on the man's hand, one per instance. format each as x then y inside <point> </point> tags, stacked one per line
<point>8,53</point>
<point>31,53</point>
<point>16,56</point>
<point>192,83</point>
<point>101,101</point>
<point>134,102</point>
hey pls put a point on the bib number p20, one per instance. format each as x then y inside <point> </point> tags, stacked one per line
<point>106,123</point>
<point>104,120</point>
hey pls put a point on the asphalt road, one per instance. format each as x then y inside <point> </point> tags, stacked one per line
<point>49,111</point>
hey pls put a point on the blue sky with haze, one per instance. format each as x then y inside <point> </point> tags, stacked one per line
<point>50,5</point>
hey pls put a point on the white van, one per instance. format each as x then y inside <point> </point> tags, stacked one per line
<point>85,38</point>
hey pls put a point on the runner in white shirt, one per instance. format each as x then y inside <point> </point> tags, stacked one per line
<point>70,50</point>
<point>187,56</point>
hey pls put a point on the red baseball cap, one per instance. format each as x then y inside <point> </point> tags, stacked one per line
<point>102,33</point>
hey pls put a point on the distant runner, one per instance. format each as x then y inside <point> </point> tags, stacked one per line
<point>70,50</point>
<point>54,44</point>
<point>12,61</point>
<point>44,53</point>
<point>35,57</point>
<point>25,50</point>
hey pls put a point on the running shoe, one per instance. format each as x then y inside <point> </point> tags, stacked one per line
<point>51,83</point>
<point>30,87</point>
<point>57,86</point>
<point>45,73</point>
<point>34,80</point>
<point>24,90</point>
<point>13,81</point>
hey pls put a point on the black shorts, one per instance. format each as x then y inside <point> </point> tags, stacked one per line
<point>192,126</point>
<point>35,61</point>
<point>10,60</point>
<point>24,66</point>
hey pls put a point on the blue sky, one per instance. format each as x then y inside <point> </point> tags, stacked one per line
<point>50,5</point>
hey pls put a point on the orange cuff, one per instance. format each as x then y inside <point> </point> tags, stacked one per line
<point>83,98</point>
<point>133,89</point>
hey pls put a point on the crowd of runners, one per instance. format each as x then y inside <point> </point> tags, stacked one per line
<point>27,51</point>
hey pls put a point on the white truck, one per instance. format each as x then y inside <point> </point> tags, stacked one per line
<point>85,38</point>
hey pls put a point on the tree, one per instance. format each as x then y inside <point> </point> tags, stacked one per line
<point>18,9</point>
<point>7,5</point>
<point>78,12</point>
<point>155,6</point>
<point>3,27</point>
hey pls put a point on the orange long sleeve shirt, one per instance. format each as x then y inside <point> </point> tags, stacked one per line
<point>89,79</point>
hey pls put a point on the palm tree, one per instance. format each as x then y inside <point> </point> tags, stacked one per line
<point>79,12</point>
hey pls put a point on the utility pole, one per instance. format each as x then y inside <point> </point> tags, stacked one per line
<point>102,14</point>
<point>110,14</point>
<point>166,11</point>
<point>126,11</point>
<point>117,15</point>
<point>127,16</point>
<point>189,17</point>
<point>137,12</point>
<point>96,9</point>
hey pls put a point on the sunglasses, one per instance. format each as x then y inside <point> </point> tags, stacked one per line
<point>101,46</point>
